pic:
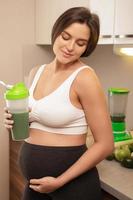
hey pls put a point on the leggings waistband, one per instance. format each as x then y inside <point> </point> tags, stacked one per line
<point>44,147</point>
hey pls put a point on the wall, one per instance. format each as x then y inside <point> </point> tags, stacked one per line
<point>16,35</point>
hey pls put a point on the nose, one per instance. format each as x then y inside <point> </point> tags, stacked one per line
<point>70,45</point>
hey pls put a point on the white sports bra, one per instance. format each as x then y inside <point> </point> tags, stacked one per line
<point>55,113</point>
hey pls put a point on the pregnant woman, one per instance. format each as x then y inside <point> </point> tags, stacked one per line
<point>66,98</point>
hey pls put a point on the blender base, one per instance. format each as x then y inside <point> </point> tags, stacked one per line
<point>122,136</point>
<point>125,142</point>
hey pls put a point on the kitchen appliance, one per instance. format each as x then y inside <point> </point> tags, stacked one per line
<point>17,103</point>
<point>117,98</point>
<point>16,97</point>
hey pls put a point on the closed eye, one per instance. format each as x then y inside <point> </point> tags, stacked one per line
<point>81,43</point>
<point>65,36</point>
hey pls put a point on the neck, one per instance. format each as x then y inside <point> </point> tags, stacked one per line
<point>58,66</point>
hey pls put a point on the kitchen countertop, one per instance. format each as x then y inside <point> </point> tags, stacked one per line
<point>116,180</point>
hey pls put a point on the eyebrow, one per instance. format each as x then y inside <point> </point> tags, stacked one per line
<point>78,39</point>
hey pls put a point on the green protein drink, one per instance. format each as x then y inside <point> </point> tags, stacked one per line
<point>17,104</point>
<point>20,128</point>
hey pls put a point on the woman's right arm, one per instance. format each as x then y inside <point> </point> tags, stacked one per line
<point>8,122</point>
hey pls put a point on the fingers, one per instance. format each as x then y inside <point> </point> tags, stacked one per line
<point>7,115</point>
<point>35,184</point>
<point>35,181</point>
<point>8,122</point>
<point>6,110</point>
<point>35,187</point>
<point>8,126</point>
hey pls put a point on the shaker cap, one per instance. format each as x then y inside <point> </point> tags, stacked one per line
<point>118,91</point>
<point>18,91</point>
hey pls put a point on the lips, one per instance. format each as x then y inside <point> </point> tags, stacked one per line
<point>66,54</point>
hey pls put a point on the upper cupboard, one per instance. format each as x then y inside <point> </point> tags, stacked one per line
<point>115,18</point>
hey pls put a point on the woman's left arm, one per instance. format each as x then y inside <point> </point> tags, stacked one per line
<point>93,101</point>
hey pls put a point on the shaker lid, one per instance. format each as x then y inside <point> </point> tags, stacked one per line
<point>118,90</point>
<point>18,91</point>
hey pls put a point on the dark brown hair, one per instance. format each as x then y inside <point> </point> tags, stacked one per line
<point>81,15</point>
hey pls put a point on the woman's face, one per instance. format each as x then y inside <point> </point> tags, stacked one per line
<point>71,43</point>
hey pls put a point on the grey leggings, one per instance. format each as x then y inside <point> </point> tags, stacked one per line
<point>38,161</point>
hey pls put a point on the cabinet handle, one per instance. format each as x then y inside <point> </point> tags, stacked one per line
<point>105,36</point>
<point>124,36</point>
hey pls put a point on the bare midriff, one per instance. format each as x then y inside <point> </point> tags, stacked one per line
<point>40,137</point>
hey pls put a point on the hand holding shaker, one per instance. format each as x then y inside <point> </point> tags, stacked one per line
<point>17,104</point>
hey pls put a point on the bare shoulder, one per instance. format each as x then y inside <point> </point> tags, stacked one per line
<point>32,75</point>
<point>89,89</point>
<point>88,86</point>
<point>88,78</point>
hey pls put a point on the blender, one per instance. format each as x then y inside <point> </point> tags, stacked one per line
<point>117,98</point>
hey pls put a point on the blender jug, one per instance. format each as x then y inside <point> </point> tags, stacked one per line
<point>17,103</point>
<point>117,98</point>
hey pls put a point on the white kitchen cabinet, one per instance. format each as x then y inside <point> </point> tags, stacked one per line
<point>105,11</point>
<point>47,11</point>
<point>123,23</point>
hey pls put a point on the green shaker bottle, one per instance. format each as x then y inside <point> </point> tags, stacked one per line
<point>17,103</point>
